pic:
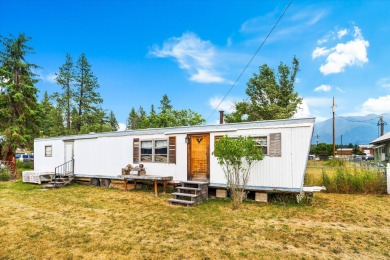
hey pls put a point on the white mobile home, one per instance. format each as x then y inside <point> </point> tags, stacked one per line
<point>186,153</point>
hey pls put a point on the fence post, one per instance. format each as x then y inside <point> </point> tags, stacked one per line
<point>388,178</point>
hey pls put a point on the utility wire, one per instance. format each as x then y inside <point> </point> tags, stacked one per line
<point>357,121</point>
<point>250,61</point>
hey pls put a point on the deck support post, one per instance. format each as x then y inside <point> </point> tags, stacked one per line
<point>155,188</point>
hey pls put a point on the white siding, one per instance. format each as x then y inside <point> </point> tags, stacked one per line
<point>107,154</point>
<point>286,171</point>
<point>48,164</point>
<point>178,170</point>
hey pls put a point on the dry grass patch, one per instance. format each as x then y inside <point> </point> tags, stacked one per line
<point>79,222</point>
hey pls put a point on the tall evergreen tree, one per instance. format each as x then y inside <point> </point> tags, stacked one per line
<point>132,120</point>
<point>113,123</point>
<point>18,100</point>
<point>65,78</point>
<point>57,127</point>
<point>86,96</point>
<point>165,104</point>
<point>142,123</point>
<point>45,116</point>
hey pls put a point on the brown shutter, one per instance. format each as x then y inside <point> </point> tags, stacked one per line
<point>172,149</point>
<point>275,145</point>
<point>136,150</point>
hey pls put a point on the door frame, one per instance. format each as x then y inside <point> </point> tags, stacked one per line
<point>189,177</point>
<point>65,144</point>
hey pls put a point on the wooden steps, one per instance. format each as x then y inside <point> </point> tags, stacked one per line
<point>190,193</point>
<point>63,175</point>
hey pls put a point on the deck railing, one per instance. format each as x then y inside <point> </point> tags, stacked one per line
<point>66,169</point>
<point>10,165</point>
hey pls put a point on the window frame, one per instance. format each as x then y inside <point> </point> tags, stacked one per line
<point>254,137</point>
<point>266,137</point>
<point>51,151</point>
<point>153,154</point>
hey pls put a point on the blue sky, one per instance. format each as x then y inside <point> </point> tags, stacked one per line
<point>194,50</point>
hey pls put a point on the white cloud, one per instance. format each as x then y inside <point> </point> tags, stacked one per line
<point>384,82</point>
<point>303,110</point>
<point>324,88</point>
<point>227,105</point>
<point>340,90</point>
<point>229,42</point>
<point>341,33</point>
<point>354,52</point>
<point>376,105</point>
<point>205,76</point>
<point>323,40</point>
<point>50,78</point>
<point>318,102</point>
<point>122,127</point>
<point>318,52</point>
<point>193,54</point>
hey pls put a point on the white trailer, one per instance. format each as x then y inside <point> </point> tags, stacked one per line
<point>186,153</point>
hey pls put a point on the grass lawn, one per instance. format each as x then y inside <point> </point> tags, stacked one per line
<point>81,222</point>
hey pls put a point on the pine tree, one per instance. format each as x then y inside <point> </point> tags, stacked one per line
<point>65,78</point>
<point>113,123</point>
<point>132,120</point>
<point>18,98</point>
<point>142,123</point>
<point>45,116</point>
<point>87,98</point>
<point>165,104</point>
<point>57,128</point>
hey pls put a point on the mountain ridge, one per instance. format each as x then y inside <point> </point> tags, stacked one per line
<point>354,129</point>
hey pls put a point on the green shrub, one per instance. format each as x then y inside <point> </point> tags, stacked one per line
<point>336,163</point>
<point>355,180</point>
<point>24,166</point>
<point>4,176</point>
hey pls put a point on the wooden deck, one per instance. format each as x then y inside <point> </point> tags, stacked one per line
<point>133,178</point>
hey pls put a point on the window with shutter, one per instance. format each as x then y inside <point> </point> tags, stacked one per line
<point>172,149</point>
<point>275,145</point>
<point>136,150</point>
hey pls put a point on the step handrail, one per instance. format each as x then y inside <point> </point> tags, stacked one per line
<point>65,169</point>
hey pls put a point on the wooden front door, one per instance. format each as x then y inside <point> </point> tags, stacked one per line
<point>199,157</point>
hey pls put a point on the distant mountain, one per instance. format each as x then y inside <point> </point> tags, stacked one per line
<point>354,129</point>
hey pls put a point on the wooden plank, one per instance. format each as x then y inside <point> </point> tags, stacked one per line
<point>172,149</point>
<point>199,160</point>
<point>136,150</point>
<point>275,145</point>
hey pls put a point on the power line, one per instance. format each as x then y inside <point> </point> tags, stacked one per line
<point>250,61</point>
<point>357,121</point>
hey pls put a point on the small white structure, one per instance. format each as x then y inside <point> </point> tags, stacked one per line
<point>186,153</point>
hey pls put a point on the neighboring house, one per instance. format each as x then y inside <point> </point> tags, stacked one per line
<point>344,151</point>
<point>186,153</point>
<point>366,149</point>
<point>381,148</point>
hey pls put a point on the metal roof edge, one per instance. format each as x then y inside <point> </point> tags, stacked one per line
<point>381,139</point>
<point>185,129</point>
